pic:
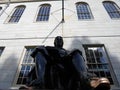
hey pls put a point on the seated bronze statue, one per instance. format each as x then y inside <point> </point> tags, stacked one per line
<point>56,68</point>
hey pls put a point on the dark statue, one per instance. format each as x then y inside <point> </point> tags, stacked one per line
<point>56,68</point>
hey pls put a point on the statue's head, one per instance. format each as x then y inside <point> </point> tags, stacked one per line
<point>58,42</point>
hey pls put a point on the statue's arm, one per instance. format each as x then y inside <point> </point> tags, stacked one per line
<point>41,49</point>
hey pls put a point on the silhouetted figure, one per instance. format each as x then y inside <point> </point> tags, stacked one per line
<point>55,68</point>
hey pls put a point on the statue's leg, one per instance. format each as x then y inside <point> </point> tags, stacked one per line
<point>80,66</point>
<point>40,62</point>
<point>31,76</point>
<point>79,62</point>
<point>48,79</point>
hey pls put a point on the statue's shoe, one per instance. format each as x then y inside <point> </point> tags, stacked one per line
<point>100,84</point>
<point>25,88</point>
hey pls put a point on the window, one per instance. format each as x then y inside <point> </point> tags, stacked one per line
<point>43,13</point>
<point>1,50</point>
<point>83,11</point>
<point>97,61</point>
<point>26,66</point>
<point>17,14</point>
<point>0,8</point>
<point>112,9</point>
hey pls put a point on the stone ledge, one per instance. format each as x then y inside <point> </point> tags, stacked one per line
<point>19,1</point>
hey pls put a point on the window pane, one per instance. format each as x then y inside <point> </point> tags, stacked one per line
<point>83,11</point>
<point>27,57</point>
<point>26,66</point>
<point>97,61</point>
<point>112,9</point>
<point>0,8</point>
<point>43,14</point>
<point>17,14</point>
<point>1,50</point>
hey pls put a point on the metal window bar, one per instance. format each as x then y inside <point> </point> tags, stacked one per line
<point>83,11</point>
<point>17,14</point>
<point>1,50</point>
<point>26,66</point>
<point>112,9</point>
<point>97,65</point>
<point>43,14</point>
<point>0,8</point>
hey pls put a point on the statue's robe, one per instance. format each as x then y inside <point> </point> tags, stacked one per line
<point>56,69</point>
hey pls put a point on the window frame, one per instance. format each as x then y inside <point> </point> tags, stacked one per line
<point>113,76</point>
<point>1,50</point>
<point>14,14</point>
<point>112,12</point>
<point>0,8</point>
<point>20,65</point>
<point>48,14</point>
<point>87,8</point>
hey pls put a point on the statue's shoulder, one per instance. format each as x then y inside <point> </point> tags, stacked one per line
<point>50,47</point>
<point>51,50</point>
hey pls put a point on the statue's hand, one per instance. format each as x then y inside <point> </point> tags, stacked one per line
<point>41,49</point>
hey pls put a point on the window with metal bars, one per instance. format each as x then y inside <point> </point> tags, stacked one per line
<point>1,50</point>
<point>18,11</point>
<point>26,66</point>
<point>0,8</point>
<point>97,61</point>
<point>112,9</point>
<point>83,11</point>
<point>43,13</point>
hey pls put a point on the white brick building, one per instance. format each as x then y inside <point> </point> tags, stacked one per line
<point>93,26</point>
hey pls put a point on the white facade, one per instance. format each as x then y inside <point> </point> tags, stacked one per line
<point>27,32</point>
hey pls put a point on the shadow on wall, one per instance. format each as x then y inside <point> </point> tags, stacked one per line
<point>78,43</point>
<point>115,65</point>
<point>8,71</point>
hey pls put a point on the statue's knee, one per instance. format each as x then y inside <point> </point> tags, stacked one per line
<point>76,51</point>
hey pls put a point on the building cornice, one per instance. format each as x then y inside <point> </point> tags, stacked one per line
<point>19,1</point>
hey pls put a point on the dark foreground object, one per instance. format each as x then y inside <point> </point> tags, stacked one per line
<point>56,69</point>
<point>61,72</point>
